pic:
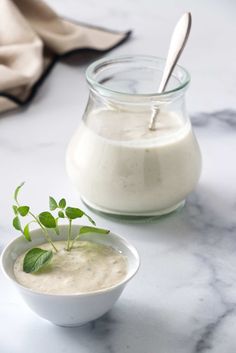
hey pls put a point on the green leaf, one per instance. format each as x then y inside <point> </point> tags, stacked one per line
<point>23,210</point>
<point>16,223</point>
<point>47,220</point>
<point>52,203</point>
<point>17,192</point>
<point>87,229</point>
<point>73,213</point>
<point>90,219</point>
<point>26,232</point>
<point>35,259</point>
<point>62,203</point>
<point>15,209</point>
<point>61,214</point>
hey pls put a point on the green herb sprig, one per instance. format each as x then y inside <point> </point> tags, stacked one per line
<point>36,258</point>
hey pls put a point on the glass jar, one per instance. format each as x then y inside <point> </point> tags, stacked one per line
<point>115,161</point>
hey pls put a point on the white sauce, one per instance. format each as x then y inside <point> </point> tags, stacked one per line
<point>118,164</point>
<point>86,268</point>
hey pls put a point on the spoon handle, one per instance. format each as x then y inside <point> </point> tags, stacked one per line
<point>177,44</point>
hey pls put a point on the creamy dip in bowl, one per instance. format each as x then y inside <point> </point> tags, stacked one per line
<point>73,303</point>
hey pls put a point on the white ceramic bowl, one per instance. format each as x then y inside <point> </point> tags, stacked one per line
<point>71,309</point>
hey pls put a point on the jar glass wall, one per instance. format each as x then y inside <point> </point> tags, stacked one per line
<point>117,164</point>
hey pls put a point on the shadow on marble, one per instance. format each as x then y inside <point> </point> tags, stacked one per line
<point>127,328</point>
<point>208,215</point>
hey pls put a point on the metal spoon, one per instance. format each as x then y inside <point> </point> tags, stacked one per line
<point>177,44</point>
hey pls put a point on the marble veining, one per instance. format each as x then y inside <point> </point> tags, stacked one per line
<point>226,118</point>
<point>194,278</point>
<point>195,256</point>
<point>204,343</point>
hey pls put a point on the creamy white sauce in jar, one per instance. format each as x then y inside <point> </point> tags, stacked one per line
<point>119,165</point>
<point>88,267</point>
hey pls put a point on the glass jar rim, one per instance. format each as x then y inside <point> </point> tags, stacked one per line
<point>101,64</point>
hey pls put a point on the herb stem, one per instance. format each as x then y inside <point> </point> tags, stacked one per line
<point>68,248</point>
<point>73,241</point>
<point>47,237</point>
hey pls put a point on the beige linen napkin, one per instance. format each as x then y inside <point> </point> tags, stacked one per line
<point>32,39</point>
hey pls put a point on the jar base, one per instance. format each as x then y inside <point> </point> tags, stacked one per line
<point>133,214</point>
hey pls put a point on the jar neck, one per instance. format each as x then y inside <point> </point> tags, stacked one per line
<point>130,84</point>
<point>175,103</point>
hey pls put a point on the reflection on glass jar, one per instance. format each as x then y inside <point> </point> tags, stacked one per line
<point>117,164</point>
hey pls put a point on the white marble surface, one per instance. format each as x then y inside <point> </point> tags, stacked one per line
<point>184,298</point>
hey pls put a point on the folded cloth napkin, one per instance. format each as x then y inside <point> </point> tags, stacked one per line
<point>32,39</point>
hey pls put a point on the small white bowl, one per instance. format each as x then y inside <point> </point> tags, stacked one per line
<point>70,309</point>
